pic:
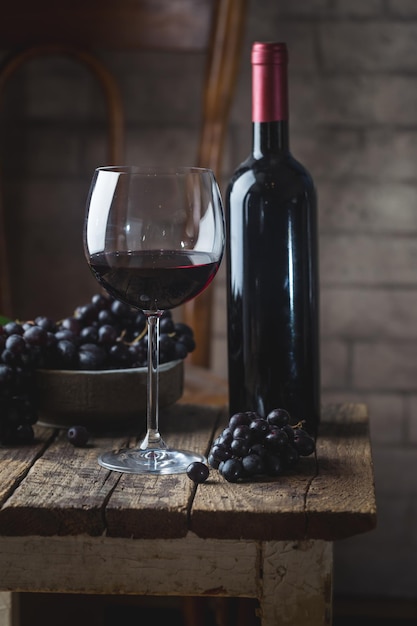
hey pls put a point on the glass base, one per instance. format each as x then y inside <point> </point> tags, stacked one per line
<point>149,461</point>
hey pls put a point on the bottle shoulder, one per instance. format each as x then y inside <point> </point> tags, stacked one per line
<point>272,171</point>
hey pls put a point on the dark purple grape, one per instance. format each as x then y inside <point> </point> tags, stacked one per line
<point>259,427</point>
<point>303,442</point>
<point>15,344</point>
<point>46,323</point>
<point>78,436</point>
<point>238,419</point>
<point>166,325</point>
<point>276,439</point>
<point>67,354</point>
<point>290,456</point>
<point>100,301</point>
<point>198,472</point>
<point>232,470</point>
<point>239,447</point>
<point>214,463</point>
<point>242,432</point>
<point>180,350</point>
<point>220,452</point>
<point>36,336</point>
<point>86,313</point>
<point>91,357</point>
<point>24,434</point>
<point>253,465</point>
<point>6,375</point>
<point>89,334</point>
<point>71,323</point>
<point>188,342</point>
<point>120,309</point>
<point>106,317</point>
<point>259,449</point>
<point>107,335</point>
<point>274,464</point>
<point>182,329</point>
<point>12,328</point>
<point>278,417</point>
<point>120,356</point>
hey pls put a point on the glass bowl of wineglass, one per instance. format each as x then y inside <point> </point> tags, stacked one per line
<point>154,239</point>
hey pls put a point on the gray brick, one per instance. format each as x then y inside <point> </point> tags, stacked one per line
<point>402,8</point>
<point>360,100</point>
<point>340,154</point>
<point>366,207</point>
<point>334,364</point>
<point>355,8</point>
<point>367,261</point>
<point>385,366</point>
<point>357,313</point>
<point>390,46</point>
<point>412,419</point>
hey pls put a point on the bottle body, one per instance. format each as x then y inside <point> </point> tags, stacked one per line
<point>273,282</point>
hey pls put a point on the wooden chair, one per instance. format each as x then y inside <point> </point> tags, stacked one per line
<point>78,29</point>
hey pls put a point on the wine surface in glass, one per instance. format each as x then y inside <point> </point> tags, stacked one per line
<point>154,280</point>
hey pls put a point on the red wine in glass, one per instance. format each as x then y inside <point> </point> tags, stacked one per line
<point>154,239</point>
<point>154,280</point>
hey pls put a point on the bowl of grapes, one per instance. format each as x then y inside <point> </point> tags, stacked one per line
<point>89,368</point>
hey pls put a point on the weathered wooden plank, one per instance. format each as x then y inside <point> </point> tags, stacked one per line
<point>16,461</point>
<point>269,508</point>
<point>5,608</point>
<point>63,493</point>
<point>106,565</point>
<point>328,498</point>
<point>297,584</point>
<point>158,506</point>
<point>341,501</point>
<point>67,492</point>
<point>292,580</point>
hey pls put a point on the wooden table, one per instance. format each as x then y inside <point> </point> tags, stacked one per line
<point>68,525</point>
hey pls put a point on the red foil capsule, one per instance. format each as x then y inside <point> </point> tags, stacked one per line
<point>269,82</point>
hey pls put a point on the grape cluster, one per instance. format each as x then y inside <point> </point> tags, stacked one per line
<point>252,445</point>
<point>102,334</point>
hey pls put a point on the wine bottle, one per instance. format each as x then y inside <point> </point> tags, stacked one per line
<point>272,261</point>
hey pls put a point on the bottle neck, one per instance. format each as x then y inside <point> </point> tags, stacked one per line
<point>270,138</point>
<point>269,98</point>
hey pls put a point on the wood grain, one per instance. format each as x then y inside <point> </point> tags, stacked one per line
<point>52,488</point>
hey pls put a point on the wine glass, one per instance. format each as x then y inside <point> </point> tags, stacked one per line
<point>154,239</point>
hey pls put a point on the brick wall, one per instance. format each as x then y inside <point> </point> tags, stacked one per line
<point>353,97</point>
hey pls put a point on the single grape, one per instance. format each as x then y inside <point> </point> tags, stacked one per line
<point>239,447</point>
<point>78,436</point>
<point>89,334</point>
<point>232,470</point>
<point>35,336</point>
<point>238,419</point>
<point>15,344</point>
<point>107,335</point>
<point>198,472</point>
<point>221,452</point>
<point>278,417</point>
<point>259,427</point>
<point>253,465</point>
<point>303,442</point>
<point>274,464</point>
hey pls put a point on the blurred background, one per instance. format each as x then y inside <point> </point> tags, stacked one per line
<point>353,108</point>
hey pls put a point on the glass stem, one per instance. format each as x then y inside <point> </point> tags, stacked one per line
<point>153,438</point>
